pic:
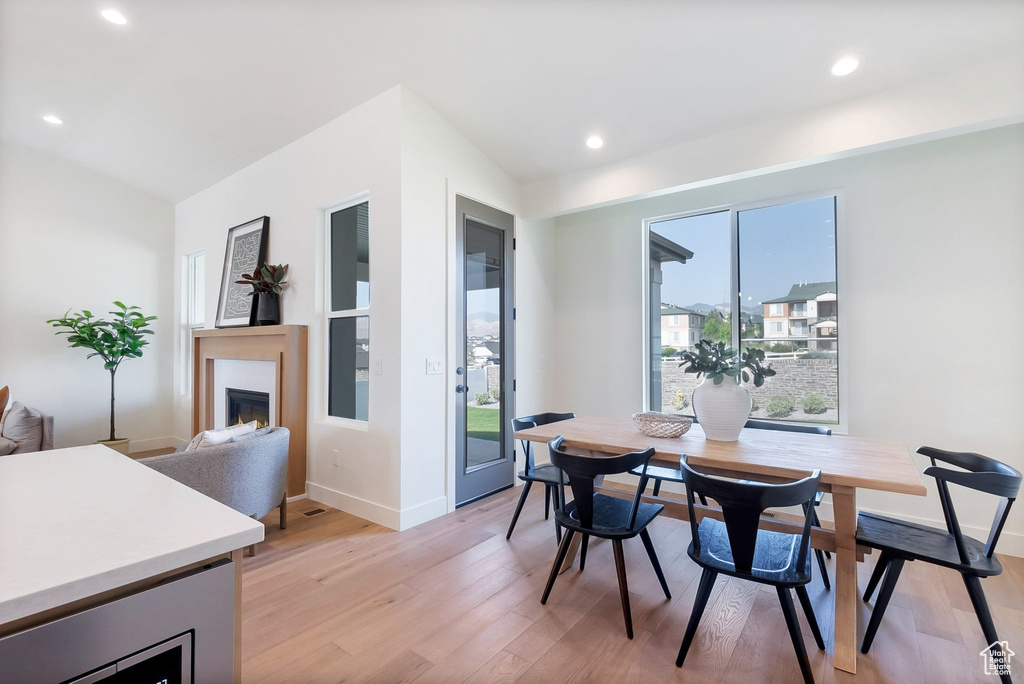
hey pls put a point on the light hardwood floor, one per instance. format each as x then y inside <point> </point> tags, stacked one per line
<point>335,598</point>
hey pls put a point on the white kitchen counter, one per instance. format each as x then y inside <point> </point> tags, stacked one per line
<point>81,521</point>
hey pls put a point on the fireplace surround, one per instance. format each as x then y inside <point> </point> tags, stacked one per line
<point>285,346</point>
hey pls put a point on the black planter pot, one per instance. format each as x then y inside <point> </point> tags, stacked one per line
<point>268,309</point>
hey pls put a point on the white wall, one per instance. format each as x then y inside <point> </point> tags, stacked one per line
<point>437,163</point>
<point>936,226</point>
<point>970,99</point>
<point>71,238</point>
<point>357,152</point>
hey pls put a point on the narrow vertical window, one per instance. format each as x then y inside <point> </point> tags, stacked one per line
<point>196,290</point>
<point>348,312</point>
<point>193,310</point>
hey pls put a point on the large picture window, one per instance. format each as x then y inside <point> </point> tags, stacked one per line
<point>760,277</point>
<point>348,312</point>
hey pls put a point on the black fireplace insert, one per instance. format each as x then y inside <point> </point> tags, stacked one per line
<point>245,406</point>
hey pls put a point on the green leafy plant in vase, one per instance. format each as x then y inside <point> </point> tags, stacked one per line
<point>267,283</point>
<point>121,337</point>
<point>722,408</point>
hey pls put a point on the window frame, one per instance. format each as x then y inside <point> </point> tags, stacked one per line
<point>329,313</point>
<point>189,325</point>
<point>734,209</point>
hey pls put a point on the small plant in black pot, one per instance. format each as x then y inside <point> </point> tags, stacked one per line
<point>267,282</point>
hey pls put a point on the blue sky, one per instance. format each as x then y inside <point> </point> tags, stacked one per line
<point>779,246</point>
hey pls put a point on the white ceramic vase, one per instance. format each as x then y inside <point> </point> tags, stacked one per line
<point>722,409</point>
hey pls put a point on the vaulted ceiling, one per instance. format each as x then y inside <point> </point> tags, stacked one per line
<point>190,91</point>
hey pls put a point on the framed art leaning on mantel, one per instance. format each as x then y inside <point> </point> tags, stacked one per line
<point>246,249</point>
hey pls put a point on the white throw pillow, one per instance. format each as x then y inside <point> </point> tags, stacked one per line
<point>211,438</point>
<point>24,427</point>
<point>6,446</point>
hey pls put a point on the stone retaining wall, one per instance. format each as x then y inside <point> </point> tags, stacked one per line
<point>795,378</point>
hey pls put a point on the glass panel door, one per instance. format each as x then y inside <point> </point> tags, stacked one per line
<point>483,379</point>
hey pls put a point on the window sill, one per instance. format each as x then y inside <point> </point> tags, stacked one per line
<point>346,423</point>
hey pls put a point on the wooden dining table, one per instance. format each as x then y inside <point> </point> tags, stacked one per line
<point>846,463</point>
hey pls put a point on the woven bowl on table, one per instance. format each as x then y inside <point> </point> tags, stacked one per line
<point>661,425</point>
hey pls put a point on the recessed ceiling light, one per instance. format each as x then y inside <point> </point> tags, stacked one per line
<point>845,66</point>
<point>55,120</point>
<point>594,142</point>
<point>114,17</point>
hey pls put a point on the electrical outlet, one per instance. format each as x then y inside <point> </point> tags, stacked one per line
<point>335,458</point>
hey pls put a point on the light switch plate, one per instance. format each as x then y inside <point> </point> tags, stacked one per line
<point>434,367</point>
<point>378,367</point>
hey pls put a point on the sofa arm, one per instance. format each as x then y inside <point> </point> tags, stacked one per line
<point>47,443</point>
<point>248,476</point>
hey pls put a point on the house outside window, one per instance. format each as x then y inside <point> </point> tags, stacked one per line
<point>761,276</point>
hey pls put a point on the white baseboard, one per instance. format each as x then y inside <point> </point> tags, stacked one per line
<point>300,497</point>
<point>374,512</point>
<point>411,517</point>
<point>137,445</point>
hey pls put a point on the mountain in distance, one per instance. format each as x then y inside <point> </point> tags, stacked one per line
<point>483,323</point>
<point>724,308</point>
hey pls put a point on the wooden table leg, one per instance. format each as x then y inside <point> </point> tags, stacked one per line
<point>844,506</point>
<point>236,558</point>
<point>570,556</point>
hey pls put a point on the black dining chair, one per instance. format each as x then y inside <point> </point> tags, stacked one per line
<point>600,515</point>
<point>738,548</point>
<point>549,475</point>
<point>900,541</point>
<point>819,555</point>
<point>659,474</point>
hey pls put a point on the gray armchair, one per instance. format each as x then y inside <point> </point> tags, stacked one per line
<point>248,475</point>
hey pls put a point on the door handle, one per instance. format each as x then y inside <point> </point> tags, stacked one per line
<point>460,389</point>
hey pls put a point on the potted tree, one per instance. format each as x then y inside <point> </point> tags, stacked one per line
<point>721,403</point>
<point>267,281</point>
<point>122,337</point>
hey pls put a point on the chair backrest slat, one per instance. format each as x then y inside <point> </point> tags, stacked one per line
<point>527,422</point>
<point>742,505</point>
<point>980,473</point>
<point>1002,512</point>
